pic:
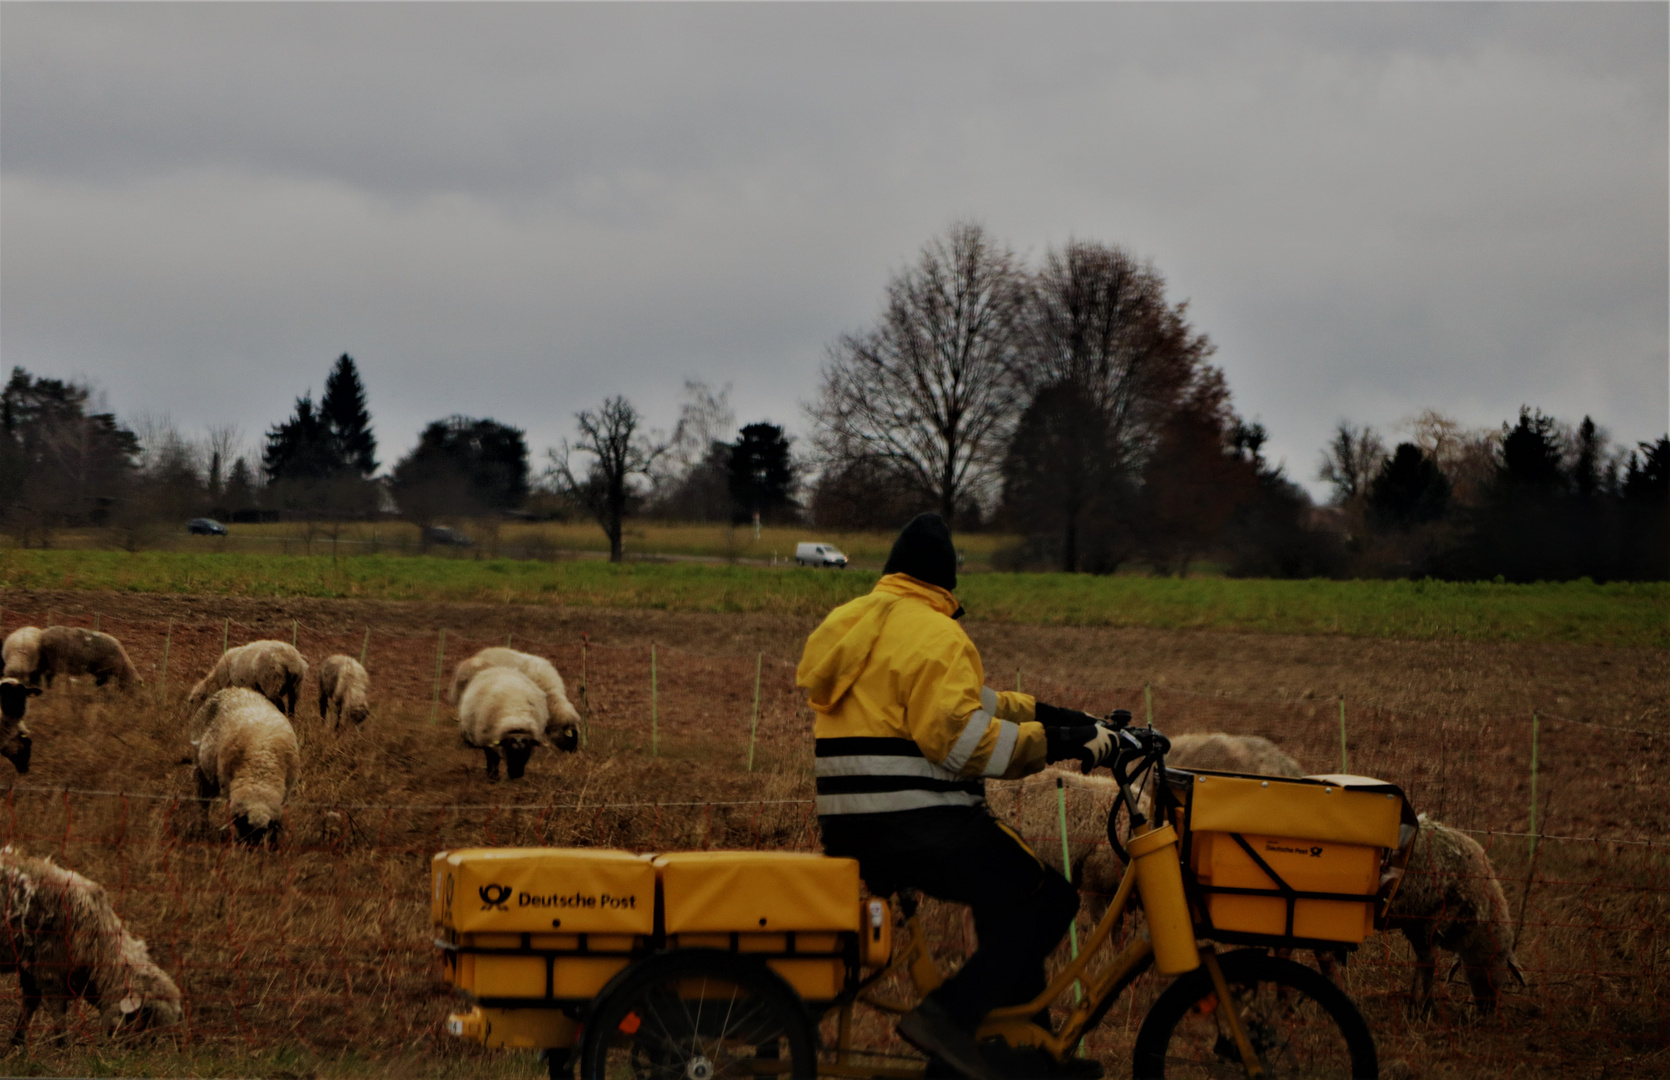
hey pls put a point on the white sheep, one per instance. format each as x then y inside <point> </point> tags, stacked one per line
<point>64,941</point>
<point>248,751</point>
<point>503,709</point>
<point>22,653</point>
<point>564,717</point>
<point>275,669</point>
<point>343,689</point>
<point>71,650</point>
<point>1449,896</point>
<point>15,744</point>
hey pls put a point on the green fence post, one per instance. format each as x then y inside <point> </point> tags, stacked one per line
<point>225,636</point>
<point>365,646</point>
<point>753,728</point>
<point>1017,680</point>
<point>295,632</point>
<point>440,659</point>
<point>1533,828</point>
<point>585,701</point>
<point>1344,758</point>
<point>162,683</point>
<point>654,717</point>
<point>1067,872</point>
<point>1148,702</point>
<point>98,622</point>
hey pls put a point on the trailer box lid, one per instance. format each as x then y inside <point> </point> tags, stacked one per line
<point>758,892</point>
<point>521,890</point>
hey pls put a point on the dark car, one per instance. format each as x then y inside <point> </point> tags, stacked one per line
<point>205,527</point>
<point>439,534</point>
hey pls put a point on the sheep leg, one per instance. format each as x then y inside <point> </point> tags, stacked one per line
<point>492,762</point>
<point>31,1004</point>
<point>207,789</point>
<point>1420,990</point>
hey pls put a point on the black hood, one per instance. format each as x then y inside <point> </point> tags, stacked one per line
<point>924,551</point>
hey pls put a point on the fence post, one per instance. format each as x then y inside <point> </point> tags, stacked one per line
<point>1533,829</point>
<point>162,683</point>
<point>98,622</point>
<point>507,638</point>
<point>654,717</point>
<point>295,631</point>
<point>365,646</point>
<point>1148,701</point>
<point>1017,680</point>
<point>753,729</point>
<point>225,635</point>
<point>1067,872</point>
<point>585,701</point>
<point>440,659</point>
<point>1344,760</point>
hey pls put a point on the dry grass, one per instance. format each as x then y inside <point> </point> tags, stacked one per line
<point>313,960</point>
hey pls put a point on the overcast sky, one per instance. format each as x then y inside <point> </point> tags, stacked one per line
<point>513,211</point>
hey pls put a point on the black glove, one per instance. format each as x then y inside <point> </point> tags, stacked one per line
<point>1092,745</point>
<point>1054,716</point>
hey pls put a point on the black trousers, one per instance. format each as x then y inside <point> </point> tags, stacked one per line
<point>1022,908</point>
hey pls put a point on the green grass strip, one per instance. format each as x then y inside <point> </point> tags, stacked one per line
<point>1621,614</point>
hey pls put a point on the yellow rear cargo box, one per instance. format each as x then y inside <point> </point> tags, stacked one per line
<point>1304,860</point>
<point>800,912</point>
<point>525,926</point>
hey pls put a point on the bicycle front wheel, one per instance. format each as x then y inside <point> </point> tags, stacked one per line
<point>1299,1024</point>
<point>699,1015</point>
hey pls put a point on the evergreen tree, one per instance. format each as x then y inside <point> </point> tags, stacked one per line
<point>761,471</point>
<point>1410,490</point>
<point>344,411</point>
<point>301,448</point>
<point>473,464</point>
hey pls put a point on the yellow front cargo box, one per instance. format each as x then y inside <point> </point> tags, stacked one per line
<point>798,912</point>
<point>521,927</point>
<point>1274,860</point>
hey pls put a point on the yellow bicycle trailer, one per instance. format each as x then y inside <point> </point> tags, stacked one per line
<point>708,964</point>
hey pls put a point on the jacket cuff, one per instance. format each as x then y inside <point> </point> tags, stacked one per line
<point>1015,706</point>
<point>1028,755</point>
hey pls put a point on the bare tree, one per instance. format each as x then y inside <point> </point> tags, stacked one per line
<point>1350,461</point>
<point>929,392</point>
<point>609,436</point>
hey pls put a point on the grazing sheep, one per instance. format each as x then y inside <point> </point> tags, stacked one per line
<point>1450,896</point>
<point>71,650</point>
<point>63,939</point>
<point>247,750</point>
<point>502,707</point>
<point>272,668</point>
<point>15,744</point>
<point>544,674</point>
<point>1031,805</point>
<point>22,652</point>
<point>343,686</point>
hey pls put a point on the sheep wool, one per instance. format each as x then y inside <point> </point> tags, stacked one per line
<point>503,710</point>
<point>565,719</point>
<point>343,689</point>
<point>248,752</point>
<point>15,744</point>
<point>1449,896</point>
<point>22,653</point>
<point>72,650</point>
<point>275,669</point>
<point>64,940</point>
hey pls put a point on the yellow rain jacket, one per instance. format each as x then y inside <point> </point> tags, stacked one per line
<point>904,718</point>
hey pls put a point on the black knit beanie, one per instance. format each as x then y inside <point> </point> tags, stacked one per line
<point>924,551</point>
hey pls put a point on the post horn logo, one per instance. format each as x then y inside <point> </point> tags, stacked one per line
<point>1315,852</point>
<point>494,896</point>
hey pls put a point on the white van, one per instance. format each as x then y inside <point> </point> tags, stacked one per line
<point>819,555</point>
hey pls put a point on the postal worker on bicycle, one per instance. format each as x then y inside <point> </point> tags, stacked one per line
<point>907,731</point>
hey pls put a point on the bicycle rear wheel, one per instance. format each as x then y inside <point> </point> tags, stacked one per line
<point>1300,1025</point>
<point>699,1015</point>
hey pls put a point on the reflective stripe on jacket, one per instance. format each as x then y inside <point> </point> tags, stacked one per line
<point>904,718</point>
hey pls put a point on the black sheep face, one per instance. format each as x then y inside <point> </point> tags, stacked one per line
<point>567,738</point>
<point>255,828</point>
<point>17,750</point>
<point>517,749</point>
<point>14,698</point>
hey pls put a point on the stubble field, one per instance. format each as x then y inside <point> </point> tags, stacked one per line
<point>314,959</point>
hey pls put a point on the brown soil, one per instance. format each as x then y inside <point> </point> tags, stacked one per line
<point>323,944</point>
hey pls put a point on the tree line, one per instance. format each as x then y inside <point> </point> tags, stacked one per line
<point>1070,403</point>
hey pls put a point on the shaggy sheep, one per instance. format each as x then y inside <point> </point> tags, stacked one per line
<point>71,650</point>
<point>1450,896</point>
<point>15,744</point>
<point>501,707</point>
<point>1031,806</point>
<point>64,941</point>
<point>22,652</point>
<point>343,686</point>
<point>564,717</point>
<point>274,669</point>
<point>247,750</point>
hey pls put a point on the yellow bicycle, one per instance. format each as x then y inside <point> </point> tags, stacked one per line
<point>706,965</point>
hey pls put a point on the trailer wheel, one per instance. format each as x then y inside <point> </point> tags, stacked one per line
<point>699,1014</point>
